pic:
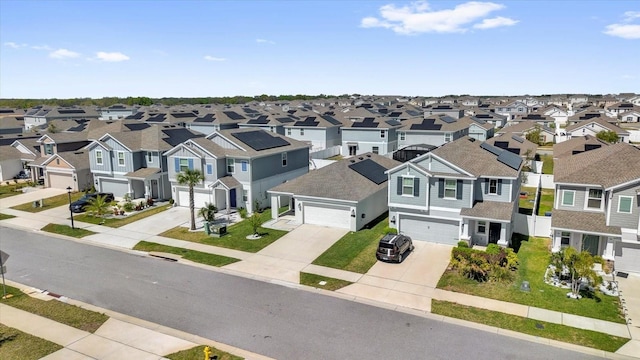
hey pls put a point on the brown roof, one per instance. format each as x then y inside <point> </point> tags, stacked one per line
<point>608,166</point>
<point>469,156</point>
<point>590,222</point>
<point>576,144</point>
<point>456,125</point>
<point>142,173</point>
<point>492,210</point>
<point>513,143</point>
<point>523,126</point>
<point>599,120</point>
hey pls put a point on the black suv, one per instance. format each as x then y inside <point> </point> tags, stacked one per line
<point>81,204</point>
<point>393,247</point>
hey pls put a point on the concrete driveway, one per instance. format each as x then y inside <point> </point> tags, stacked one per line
<point>160,222</point>
<point>29,197</point>
<point>285,258</point>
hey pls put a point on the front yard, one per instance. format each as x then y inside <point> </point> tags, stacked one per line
<point>15,344</point>
<point>116,222</point>
<point>236,237</point>
<point>49,203</point>
<point>67,230</point>
<point>11,189</point>
<point>534,256</point>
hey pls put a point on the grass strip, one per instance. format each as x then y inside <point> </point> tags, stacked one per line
<point>49,203</point>
<point>5,216</point>
<point>15,344</point>
<point>198,353</point>
<point>66,230</point>
<point>314,280</point>
<point>191,255</point>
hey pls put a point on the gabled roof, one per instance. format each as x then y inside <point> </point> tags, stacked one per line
<point>514,143</point>
<point>600,121</point>
<point>436,123</point>
<point>584,221</point>
<point>524,126</point>
<point>76,159</point>
<point>576,145</point>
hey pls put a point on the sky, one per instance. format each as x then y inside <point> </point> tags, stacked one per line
<point>68,49</point>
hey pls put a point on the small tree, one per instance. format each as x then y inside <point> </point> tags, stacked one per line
<point>255,222</point>
<point>609,136</point>
<point>534,135</point>
<point>580,266</point>
<point>98,206</point>
<point>191,178</point>
<point>208,212</point>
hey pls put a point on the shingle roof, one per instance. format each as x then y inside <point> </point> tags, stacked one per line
<point>608,166</point>
<point>599,120</point>
<point>337,181</point>
<point>594,222</point>
<point>577,144</point>
<point>513,143</point>
<point>523,126</point>
<point>489,210</point>
<point>142,173</point>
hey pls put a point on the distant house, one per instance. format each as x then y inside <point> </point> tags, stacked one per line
<point>512,110</point>
<point>594,126</point>
<point>547,135</point>
<point>320,131</point>
<point>207,123</point>
<point>443,109</point>
<point>630,116</point>
<point>517,145</point>
<point>434,130</point>
<point>40,115</point>
<point>116,112</point>
<point>371,134</point>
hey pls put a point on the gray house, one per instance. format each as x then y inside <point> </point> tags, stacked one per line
<point>465,189</point>
<point>347,194</point>
<point>238,165</point>
<point>320,131</point>
<point>207,123</point>
<point>596,204</point>
<point>434,130</point>
<point>371,134</point>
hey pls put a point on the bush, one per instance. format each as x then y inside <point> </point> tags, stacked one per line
<point>463,244</point>
<point>493,249</point>
<point>495,264</point>
<point>243,213</point>
<point>128,206</point>
<point>171,201</point>
<point>390,230</point>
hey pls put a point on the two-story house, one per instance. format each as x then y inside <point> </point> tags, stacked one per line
<point>465,189</point>
<point>116,112</point>
<point>238,165</point>
<point>443,109</point>
<point>434,130</point>
<point>370,135</point>
<point>269,122</point>
<point>522,128</point>
<point>596,204</point>
<point>320,131</point>
<point>207,123</point>
<point>594,126</point>
<point>512,109</point>
<point>40,115</point>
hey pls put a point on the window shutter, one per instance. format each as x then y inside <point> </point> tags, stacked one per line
<point>177,163</point>
<point>486,186</point>
<point>440,188</point>
<point>399,185</point>
<point>499,186</point>
<point>190,164</point>
<point>416,187</point>
<point>459,190</point>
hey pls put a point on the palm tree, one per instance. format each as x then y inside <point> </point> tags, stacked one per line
<point>190,178</point>
<point>208,212</point>
<point>98,206</point>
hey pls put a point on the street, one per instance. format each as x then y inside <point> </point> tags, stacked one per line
<point>269,319</point>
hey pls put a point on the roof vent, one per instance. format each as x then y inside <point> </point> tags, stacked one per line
<point>352,161</point>
<point>472,139</point>
<point>360,158</point>
<point>368,155</point>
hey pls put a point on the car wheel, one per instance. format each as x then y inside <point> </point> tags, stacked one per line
<point>399,258</point>
<point>412,247</point>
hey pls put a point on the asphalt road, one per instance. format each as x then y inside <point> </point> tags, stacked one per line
<point>269,319</point>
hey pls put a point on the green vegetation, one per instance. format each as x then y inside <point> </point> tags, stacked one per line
<point>236,237</point>
<point>534,257</point>
<point>5,216</point>
<point>495,264</point>
<point>190,178</point>
<point>192,255</point>
<point>99,206</point>
<point>50,203</point>
<point>117,222</point>
<point>546,200</point>
<point>525,205</point>
<point>198,353</point>
<point>533,327</point>
<point>67,230</point>
<point>15,344</point>
<point>55,310</point>
<point>10,189</point>
<point>356,251</point>
<point>547,163</point>
<point>314,281</point>
<point>608,136</point>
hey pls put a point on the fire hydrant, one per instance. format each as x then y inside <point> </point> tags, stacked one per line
<point>207,353</point>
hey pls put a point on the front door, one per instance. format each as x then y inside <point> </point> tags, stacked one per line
<point>494,232</point>
<point>590,243</point>
<point>232,198</point>
<point>353,149</point>
<point>154,189</point>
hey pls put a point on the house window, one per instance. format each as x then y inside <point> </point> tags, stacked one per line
<point>382,134</point>
<point>624,204</point>
<point>209,169</point>
<point>353,149</point>
<point>57,161</point>
<point>120,158</point>
<point>48,149</point>
<point>184,165</point>
<point>402,136</point>
<point>565,239</point>
<point>289,131</point>
<point>629,118</point>
<point>284,159</point>
<point>230,165</point>
<point>407,186</point>
<point>301,132</point>
<point>447,137</point>
<point>568,197</point>
<point>450,188</point>
<point>149,157</point>
<point>244,165</point>
<point>245,195</point>
<point>594,201</point>
<point>99,157</point>
<point>493,186</point>
<point>375,149</point>
<point>482,227</point>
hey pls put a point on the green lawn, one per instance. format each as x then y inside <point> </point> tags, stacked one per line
<point>529,326</point>
<point>55,310</point>
<point>356,251</point>
<point>533,256</point>
<point>236,237</point>
<point>11,189</point>
<point>547,163</point>
<point>15,344</point>
<point>5,216</point>
<point>66,230</point>
<point>50,203</point>
<point>546,201</point>
<point>192,255</point>
<point>121,221</point>
<point>525,205</point>
<point>314,281</point>
<point>198,353</point>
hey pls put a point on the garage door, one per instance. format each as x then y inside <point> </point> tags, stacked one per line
<point>199,198</point>
<point>326,215</point>
<point>627,257</point>
<point>60,181</point>
<point>118,188</point>
<point>431,230</point>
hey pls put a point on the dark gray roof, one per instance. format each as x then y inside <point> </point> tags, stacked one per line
<point>594,222</point>
<point>489,210</point>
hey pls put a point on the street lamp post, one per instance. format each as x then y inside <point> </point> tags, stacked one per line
<point>70,209</point>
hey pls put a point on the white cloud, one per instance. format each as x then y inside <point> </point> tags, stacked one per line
<point>213,58</point>
<point>265,41</point>
<point>630,15</point>
<point>111,56</point>
<point>495,22</point>
<point>41,47</point>
<point>11,44</point>
<point>63,54</point>
<point>624,29</point>
<point>418,17</point>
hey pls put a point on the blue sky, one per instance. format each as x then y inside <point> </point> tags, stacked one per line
<point>224,48</point>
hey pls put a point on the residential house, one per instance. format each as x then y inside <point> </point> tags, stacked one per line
<point>512,109</point>
<point>11,162</point>
<point>517,145</point>
<point>207,123</point>
<point>40,115</point>
<point>577,145</point>
<point>347,194</point>
<point>541,119</point>
<point>596,204</point>
<point>320,131</point>
<point>490,117</point>
<point>434,130</point>
<point>619,108</point>
<point>594,126</point>
<point>116,112</point>
<point>465,189</point>
<point>238,165</point>
<point>632,116</point>
<point>547,135</point>
<point>443,109</point>
<point>370,135</point>
<point>269,122</point>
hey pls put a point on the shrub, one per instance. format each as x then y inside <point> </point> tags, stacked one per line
<point>128,206</point>
<point>171,201</point>
<point>463,244</point>
<point>495,264</point>
<point>390,230</point>
<point>493,249</point>
<point>243,213</point>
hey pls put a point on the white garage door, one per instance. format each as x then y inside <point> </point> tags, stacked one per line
<point>326,215</point>
<point>117,188</point>
<point>627,257</point>
<point>431,230</point>
<point>199,198</point>
<point>60,181</point>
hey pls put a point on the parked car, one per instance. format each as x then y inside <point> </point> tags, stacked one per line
<point>81,204</point>
<point>394,247</point>
<point>22,175</point>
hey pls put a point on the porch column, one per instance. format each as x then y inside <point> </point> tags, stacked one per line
<point>609,249</point>
<point>275,199</point>
<point>147,189</point>
<point>465,230</point>
<point>503,241</point>
<point>129,189</point>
